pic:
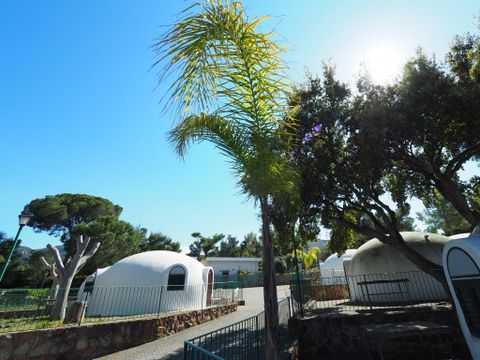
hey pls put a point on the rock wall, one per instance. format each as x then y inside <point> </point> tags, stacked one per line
<point>339,335</point>
<point>329,292</point>
<point>93,340</point>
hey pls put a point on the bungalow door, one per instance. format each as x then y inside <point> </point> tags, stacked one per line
<point>209,287</point>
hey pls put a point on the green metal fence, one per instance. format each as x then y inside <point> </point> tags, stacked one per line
<point>28,309</point>
<point>243,340</point>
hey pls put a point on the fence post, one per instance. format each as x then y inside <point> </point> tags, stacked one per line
<point>160,301</point>
<point>257,342</point>
<point>289,310</point>
<point>368,293</point>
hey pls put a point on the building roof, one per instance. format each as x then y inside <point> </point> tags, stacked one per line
<point>150,268</point>
<point>375,257</point>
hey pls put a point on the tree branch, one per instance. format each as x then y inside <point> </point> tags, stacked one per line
<point>88,255</point>
<point>57,258</point>
<point>456,163</point>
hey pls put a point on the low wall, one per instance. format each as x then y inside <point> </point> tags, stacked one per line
<point>93,340</point>
<point>329,292</point>
<point>21,313</point>
<point>339,335</point>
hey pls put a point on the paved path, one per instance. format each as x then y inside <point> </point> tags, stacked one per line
<point>171,347</point>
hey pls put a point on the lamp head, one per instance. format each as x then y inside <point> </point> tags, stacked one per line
<point>25,216</point>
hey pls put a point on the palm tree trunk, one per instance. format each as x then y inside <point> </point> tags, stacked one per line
<point>269,287</point>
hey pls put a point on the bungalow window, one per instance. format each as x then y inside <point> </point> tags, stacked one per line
<point>176,279</point>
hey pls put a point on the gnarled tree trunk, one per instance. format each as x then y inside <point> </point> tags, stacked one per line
<point>67,273</point>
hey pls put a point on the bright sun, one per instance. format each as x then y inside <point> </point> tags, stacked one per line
<point>383,63</point>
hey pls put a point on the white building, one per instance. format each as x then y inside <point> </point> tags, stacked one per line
<point>226,266</point>
<point>333,265</point>
<point>461,264</point>
<point>149,282</point>
<point>378,273</point>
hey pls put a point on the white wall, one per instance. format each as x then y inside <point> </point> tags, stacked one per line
<point>232,266</point>
<point>138,285</point>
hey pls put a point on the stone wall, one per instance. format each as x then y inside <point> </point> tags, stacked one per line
<point>338,335</point>
<point>93,340</point>
<point>329,292</point>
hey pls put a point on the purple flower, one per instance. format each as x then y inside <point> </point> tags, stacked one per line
<point>317,128</point>
<point>308,137</point>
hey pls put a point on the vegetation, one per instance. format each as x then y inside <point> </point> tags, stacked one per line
<point>229,247</point>
<point>203,246</point>
<point>228,89</point>
<point>58,215</point>
<point>309,257</point>
<point>159,241</point>
<point>17,271</point>
<point>68,216</point>
<point>441,216</point>
<point>119,239</point>
<point>361,157</point>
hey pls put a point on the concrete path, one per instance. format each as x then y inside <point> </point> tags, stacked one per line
<point>171,347</point>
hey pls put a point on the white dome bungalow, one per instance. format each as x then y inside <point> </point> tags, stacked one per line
<point>149,282</point>
<point>333,265</point>
<point>377,273</point>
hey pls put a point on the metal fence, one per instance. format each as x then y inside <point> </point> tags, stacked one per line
<point>243,340</point>
<point>256,279</point>
<point>28,309</point>
<point>377,291</point>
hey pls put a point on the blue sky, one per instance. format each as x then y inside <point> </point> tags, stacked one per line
<point>79,111</point>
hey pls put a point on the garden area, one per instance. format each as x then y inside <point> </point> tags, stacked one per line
<point>329,162</point>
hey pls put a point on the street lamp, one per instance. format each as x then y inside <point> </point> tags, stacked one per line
<point>23,220</point>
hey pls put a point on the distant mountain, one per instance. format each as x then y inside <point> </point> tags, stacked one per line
<point>25,252</point>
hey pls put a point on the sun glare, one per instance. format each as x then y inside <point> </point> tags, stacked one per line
<point>383,64</point>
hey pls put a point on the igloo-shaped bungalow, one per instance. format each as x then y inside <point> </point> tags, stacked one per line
<point>333,265</point>
<point>377,273</point>
<point>148,282</point>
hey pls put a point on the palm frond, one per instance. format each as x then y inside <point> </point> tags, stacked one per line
<point>226,136</point>
<point>223,63</point>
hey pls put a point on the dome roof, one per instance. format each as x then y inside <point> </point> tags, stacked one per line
<point>459,236</point>
<point>374,257</point>
<point>347,254</point>
<point>336,261</point>
<point>150,268</point>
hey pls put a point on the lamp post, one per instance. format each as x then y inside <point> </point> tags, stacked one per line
<point>23,220</point>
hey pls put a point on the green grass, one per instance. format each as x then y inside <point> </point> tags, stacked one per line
<point>26,323</point>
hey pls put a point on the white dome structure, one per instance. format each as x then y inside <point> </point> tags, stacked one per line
<point>149,282</point>
<point>378,273</point>
<point>333,265</point>
<point>459,236</point>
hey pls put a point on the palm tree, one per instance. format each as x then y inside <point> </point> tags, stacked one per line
<point>229,89</point>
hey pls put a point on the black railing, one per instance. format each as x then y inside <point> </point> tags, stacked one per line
<point>243,340</point>
<point>377,291</point>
